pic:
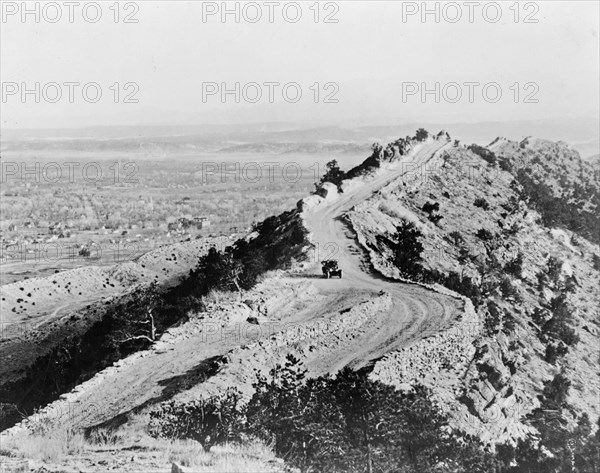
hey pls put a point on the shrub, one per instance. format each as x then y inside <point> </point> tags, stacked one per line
<point>491,322</point>
<point>421,134</point>
<point>208,421</point>
<point>554,351</point>
<point>349,423</point>
<point>554,270</point>
<point>484,234</point>
<point>481,203</point>
<point>514,267</point>
<point>333,174</point>
<point>508,290</point>
<point>558,326</point>
<point>596,261</point>
<point>540,315</point>
<point>483,153</point>
<point>407,249</point>
<point>431,207</point>
<point>456,238</point>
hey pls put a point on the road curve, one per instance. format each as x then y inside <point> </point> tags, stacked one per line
<point>180,362</point>
<point>417,311</point>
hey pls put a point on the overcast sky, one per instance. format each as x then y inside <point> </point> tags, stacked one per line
<point>367,58</point>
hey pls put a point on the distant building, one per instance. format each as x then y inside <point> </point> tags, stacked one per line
<point>201,222</point>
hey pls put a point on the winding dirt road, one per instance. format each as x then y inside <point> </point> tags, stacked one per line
<point>181,363</point>
<point>417,312</point>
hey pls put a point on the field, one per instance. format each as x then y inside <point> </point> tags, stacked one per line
<point>62,212</point>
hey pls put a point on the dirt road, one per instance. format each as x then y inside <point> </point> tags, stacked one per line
<point>417,312</point>
<point>183,360</point>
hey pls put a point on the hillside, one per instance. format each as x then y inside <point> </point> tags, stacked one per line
<point>459,277</point>
<point>509,262</point>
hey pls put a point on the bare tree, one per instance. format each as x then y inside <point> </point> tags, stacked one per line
<point>149,297</point>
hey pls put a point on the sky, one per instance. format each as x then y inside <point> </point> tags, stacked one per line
<point>340,62</point>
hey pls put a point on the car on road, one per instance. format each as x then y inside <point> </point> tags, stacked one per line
<point>330,268</point>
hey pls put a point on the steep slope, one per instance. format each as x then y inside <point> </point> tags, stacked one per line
<point>520,267</point>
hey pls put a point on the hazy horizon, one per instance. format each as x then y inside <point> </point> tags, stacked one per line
<point>173,52</point>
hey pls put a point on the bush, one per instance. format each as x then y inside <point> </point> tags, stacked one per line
<point>455,238</point>
<point>554,351</point>
<point>421,134</point>
<point>554,270</point>
<point>481,203</point>
<point>491,323</point>
<point>514,267</point>
<point>484,234</point>
<point>208,421</point>
<point>349,423</point>
<point>483,153</point>
<point>508,290</point>
<point>596,261</point>
<point>431,207</point>
<point>558,326</point>
<point>407,249</point>
<point>333,174</point>
<point>279,240</point>
<point>463,285</point>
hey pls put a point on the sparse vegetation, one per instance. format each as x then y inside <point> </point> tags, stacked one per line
<point>575,208</point>
<point>558,448</point>
<point>407,249</point>
<point>348,423</point>
<point>126,326</point>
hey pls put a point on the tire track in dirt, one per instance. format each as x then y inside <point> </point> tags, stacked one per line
<point>416,311</point>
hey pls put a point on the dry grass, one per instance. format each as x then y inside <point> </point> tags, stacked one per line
<point>48,446</point>
<point>216,296</point>
<point>56,445</point>
<point>251,457</point>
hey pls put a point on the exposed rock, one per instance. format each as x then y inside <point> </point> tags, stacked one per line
<point>176,468</point>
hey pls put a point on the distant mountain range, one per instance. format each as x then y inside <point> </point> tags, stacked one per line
<point>283,138</point>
